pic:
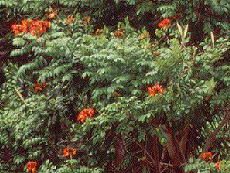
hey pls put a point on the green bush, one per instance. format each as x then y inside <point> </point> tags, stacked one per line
<point>110,74</point>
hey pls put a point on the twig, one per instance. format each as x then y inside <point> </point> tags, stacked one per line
<point>146,152</point>
<point>166,164</point>
<point>20,95</point>
<point>211,138</point>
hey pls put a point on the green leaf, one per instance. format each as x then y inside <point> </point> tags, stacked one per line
<point>141,135</point>
<point>67,77</point>
<point>18,42</point>
<point>141,118</point>
<point>209,86</point>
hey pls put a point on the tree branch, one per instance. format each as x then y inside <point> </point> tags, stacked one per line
<point>212,137</point>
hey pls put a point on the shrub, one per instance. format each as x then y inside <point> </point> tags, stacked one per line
<point>108,71</point>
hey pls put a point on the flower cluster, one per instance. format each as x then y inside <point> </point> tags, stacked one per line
<point>98,32</point>
<point>119,33</point>
<point>222,165</point>
<point>85,113</point>
<point>87,19</point>
<point>40,87</point>
<point>69,152</point>
<point>164,23</point>
<point>52,15</point>
<point>206,156</point>
<point>35,27</point>
<point>218,165</point>
<point>155,90</point>
<point>69,20</point>
<point>31,167</point>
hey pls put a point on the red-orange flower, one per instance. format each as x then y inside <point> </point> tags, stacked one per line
<point>157,86</point>
<point>206,155</point>
<point>39,87</point>
<point>217,165</point>
<point>44,85</point>
<point>161,91</point>
<point>25,22</point>
<point>46,24</point>
<point>164,23</point>
<point>118,34</point>
<point>70,20</point>
<point>69,151</point>
<point>36,23</point>
<point>17,29</point>
<point>31,167</point>
<point>87,19</point>
<point>53,14</point>
<point>81,117</point>
<point>152,91</point>
<point>34,170</point>
<point>155,90</point>
<point>98,32</point>
<point>90,112</point>
<point>35,27</point>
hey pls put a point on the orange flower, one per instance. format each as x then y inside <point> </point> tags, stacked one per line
<point>34,170</point>
<point>46,24</point>
<point>217,165</point>
<point>53,14</point>
<point>81,117</point>
<point>160,25</point>
<point>65,152</point>
<point>38,86</point>
<point>164,23</point>
<point>161,91</point>
<point>25,22</point>
<point>44,85</point>
<point>70,20</point>
<point>152,91</point>
<point>35,27</point>
<point>74,151</point>
<point>157,86</point>
<point>15,29</point>
<point>33,30</point>
<point>206,155</point>
<point>31,166</point>
<point>156,89</point>
<point>87,19</point>
<point>118,34</point>
<point>18,29</point>
<point>36,23</point>
<point>98,32</point>
<point>90,112</point>
<point>69,151</point>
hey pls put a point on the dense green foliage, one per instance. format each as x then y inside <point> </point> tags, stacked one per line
<point>131,131</point>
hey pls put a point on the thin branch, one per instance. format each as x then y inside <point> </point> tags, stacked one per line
<point>165,164</point>
<point>19,95</point>
<point>212,137</point>
<point>146,152</point>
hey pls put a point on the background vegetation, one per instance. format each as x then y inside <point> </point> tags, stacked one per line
<point>107,56</point>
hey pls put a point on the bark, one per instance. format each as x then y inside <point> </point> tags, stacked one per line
<point>119,152</point>
<point>212,137</point>
<point>175,151</point>
<point>155,154</point>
